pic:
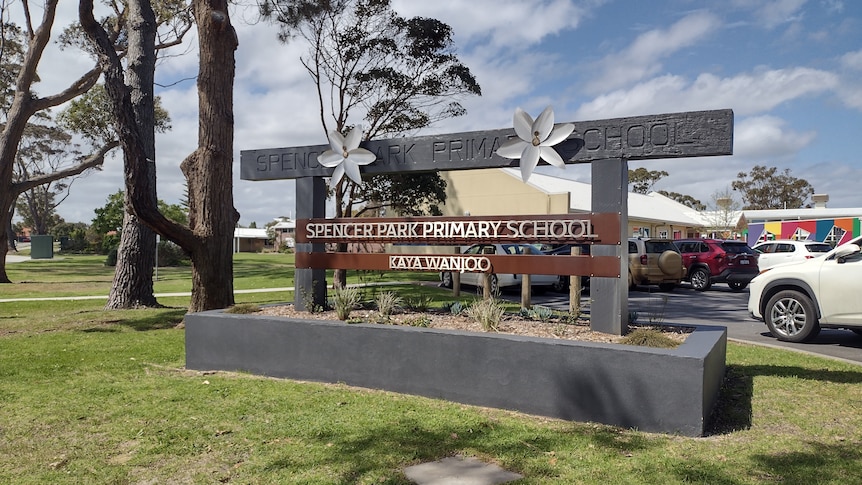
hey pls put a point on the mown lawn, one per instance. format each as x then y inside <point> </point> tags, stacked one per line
<point>89,396</point>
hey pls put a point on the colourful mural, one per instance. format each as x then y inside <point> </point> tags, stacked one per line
<point>832,231</point>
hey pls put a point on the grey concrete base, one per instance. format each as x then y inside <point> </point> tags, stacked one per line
<point>656,390</point>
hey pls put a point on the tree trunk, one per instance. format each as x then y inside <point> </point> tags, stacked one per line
<point>133,277</point>
<point>6,202</point>
<point>212,217</point>
<point>136,255</point>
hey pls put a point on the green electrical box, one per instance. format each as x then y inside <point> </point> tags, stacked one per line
<point>41,247</point>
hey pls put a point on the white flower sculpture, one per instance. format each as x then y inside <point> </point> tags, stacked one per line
<point>535,139</point>
<point>346,156</point>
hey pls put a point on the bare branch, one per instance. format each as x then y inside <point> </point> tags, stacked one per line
<point>92,161</point>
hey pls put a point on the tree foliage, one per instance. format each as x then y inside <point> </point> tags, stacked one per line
<point>90,116</point>
<point>399,75</point>
<point>767,188</point>
<point>642,180</point>
<point>25,105</point>
<point>723,214</point>
<point>684,199</point>
<point>109,217</point>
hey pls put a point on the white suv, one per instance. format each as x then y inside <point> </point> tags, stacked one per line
<point>795,300</point>
<point>771,253</point>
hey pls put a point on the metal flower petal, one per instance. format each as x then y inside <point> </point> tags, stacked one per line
<point>535,139</point>
<point>529,160</point>
<point>346,156</point>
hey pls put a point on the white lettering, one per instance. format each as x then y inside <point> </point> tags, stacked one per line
<point>461,264</point>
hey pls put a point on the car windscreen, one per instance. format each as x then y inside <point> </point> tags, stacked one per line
<point>659,246</point>
<point>737,248</point>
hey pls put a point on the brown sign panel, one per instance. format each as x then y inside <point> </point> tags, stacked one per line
<point>549,229</point>
<point>671,135</point>
<point>602,266</point>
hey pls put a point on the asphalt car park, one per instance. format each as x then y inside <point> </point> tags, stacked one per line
<point>718,307</point>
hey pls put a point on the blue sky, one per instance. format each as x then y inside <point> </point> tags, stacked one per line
<point>790,69</point>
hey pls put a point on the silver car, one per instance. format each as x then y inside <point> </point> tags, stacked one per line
<point>499,281</point>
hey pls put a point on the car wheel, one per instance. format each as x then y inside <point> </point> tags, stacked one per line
<point>446,279</point>
<point>790,317</point>
<point>735,286</point>
<point>700,279</point>
<point>667,286</point>
<point>562,284</point>
<point>670,262</point>
<point>495,287</point>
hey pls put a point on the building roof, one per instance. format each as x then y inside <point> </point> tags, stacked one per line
<point>285,224</point>
<point>249,233</point>
<point>644,207</point>
<point>801,214</point>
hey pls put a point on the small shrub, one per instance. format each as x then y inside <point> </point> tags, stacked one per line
<point>657,308</point>
<point>308,300</point>
<point>417,321</point>
<point>111,260</point>
<point>344,300</point>
<point>386,302</point>
<point>539,313</point>
<point>649,337</point>
<point>455,308</point>
<point>418,303</point>
<point>244,308</point>
<point>170,254</point>
<point>487,312</point>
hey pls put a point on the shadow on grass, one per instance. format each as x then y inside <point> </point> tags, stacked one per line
<point>164,319</point>
<point>819,463</point>
<point>733,411</point>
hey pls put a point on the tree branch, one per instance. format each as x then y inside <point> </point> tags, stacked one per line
<point>92,161</point>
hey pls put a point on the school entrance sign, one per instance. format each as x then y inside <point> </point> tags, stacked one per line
<point>607,144</point>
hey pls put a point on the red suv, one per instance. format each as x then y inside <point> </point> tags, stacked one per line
<point>709,261</point>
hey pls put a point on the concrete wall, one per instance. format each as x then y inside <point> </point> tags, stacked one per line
<point>660,390</point>
<point>494,192</point>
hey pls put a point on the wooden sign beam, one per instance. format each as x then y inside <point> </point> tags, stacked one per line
<point>600,266</point>
<point>547,229</point>
<point>673,135</point>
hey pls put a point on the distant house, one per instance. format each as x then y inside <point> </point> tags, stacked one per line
<point>285,232</point>
<point>249,240</point>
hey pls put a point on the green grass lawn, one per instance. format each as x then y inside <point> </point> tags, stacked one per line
<point>89,396</point>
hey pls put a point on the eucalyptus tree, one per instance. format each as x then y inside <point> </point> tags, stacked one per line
<point>396,75</point>
<point>767,188</point>
<point>22,105</point>
<point>138,46</point>
<point>208,237</point>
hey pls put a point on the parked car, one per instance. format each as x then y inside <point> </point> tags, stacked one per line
<point>562,283</point>
<point>771,253</point>
<point>654,261</point>
<point>499,281</point>
<point>796,300</point>
<point>709,261</point>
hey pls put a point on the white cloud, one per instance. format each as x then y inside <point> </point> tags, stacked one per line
<point>774,13</point>
<point>516,24</point>
<point>766,137</point>
<point>641,58</point>
<point>746,94</point>
<point>852,60</point>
